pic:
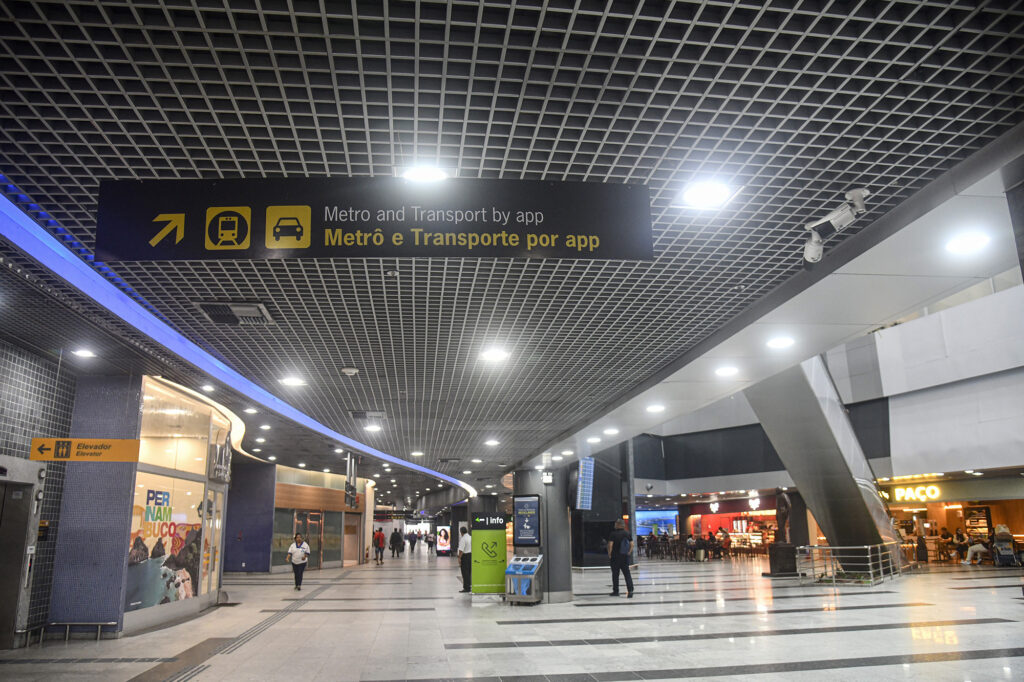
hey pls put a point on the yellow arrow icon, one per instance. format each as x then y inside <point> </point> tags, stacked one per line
<point>175,222</point>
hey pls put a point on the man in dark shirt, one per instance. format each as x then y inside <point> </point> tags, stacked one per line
<point>620,549</point>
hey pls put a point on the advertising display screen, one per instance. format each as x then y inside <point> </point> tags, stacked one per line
<point>444,540</point>
<point>656,522</point>
<point>526,521</point>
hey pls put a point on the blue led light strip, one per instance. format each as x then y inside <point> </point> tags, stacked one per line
<point>22,231</point>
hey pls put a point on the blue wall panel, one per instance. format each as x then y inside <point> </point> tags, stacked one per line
<point>249,526</point>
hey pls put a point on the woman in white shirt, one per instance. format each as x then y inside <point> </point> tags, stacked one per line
<point>298,555</point>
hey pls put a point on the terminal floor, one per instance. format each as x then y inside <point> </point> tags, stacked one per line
<point>717,620</point>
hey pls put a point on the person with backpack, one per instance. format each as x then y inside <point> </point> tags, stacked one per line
<point>378,547</point>
<point>620,549</point>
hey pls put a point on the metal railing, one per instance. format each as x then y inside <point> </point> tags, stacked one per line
<point>864,565</point>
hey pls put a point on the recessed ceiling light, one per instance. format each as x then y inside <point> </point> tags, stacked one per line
<point>476,460</point>
<point>338,451</point>
<point>650,495</point>
<point>251,410</point>
<point>376,475</point>
<point>727,371</point>
<point>393,480</point>
<point>424,174</point>
<point>968,471</point>
<point>567,452</point>
<point>416,453</point>
<point>302,465</point>
<point>257,449</point>
<point>967,243</point>
<point>272,458</point>
<point>83,353</point>
<point>467,471</point>
<point>265,427</point>
<point>293,381</point>
<point>491,442</point>
<point>494,354</point>
<point>539,467</point>
<point>489,485</point>
<point>593,439</point>
<point>557,458</point>
<point>327,471</point>
<point>707,194</point>
<point>372,428</point>
<point>780,342</point>
<point>611,432</point>
<point>656,408</point>
<point>261,440</point>
<point>207,387</point>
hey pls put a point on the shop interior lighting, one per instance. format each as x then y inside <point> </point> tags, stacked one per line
<point>780,342</point>
<point>491,442</point>
<point>23,232</point>
<point>728,371</point>
<point>656,408</point>
<point>494,355</point>
<point>424,174</point>
<point>293,381</point>
<point>611,432</point>
<point>967,243</point>
<point>83,353</point>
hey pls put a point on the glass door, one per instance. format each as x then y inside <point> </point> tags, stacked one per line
<point>310,524</point>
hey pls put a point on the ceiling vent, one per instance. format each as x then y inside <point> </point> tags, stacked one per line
<point>237,314</point>
<point>368,414</point>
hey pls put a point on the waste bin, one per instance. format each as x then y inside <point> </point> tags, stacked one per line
<point>522,580</point>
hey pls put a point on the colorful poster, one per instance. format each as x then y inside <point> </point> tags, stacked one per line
<point>526,526</point>
<point>444,540</point>
<point>489,558</point>
<point>165,544</point>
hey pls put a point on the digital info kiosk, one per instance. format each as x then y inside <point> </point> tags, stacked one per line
<point>523,577</point>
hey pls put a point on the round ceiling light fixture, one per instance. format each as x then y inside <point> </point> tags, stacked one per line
<point>593,439</point>
<point>251,410</point>
<point>567,452</point>
<point>416,453</point>
<point>208,388</point>
<point>780,342</point>
<point>727,371</point>
<point>707,194</point>
<point>272,458</point>
<point>264,427</point>
<point>491,442</point>
<point>372,428</point>
<point>424,173</point>
<point>656,408</point>
<point>83,353</point>
<point>611,432</point>
<point>476,460</point>
<point>556,458</point>
<point>302,465</point>
<point>293,381</point>
<point>967,243</point>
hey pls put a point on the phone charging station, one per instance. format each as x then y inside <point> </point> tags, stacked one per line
<point>524,577</point>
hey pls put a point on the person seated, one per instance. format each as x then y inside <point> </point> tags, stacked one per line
<point>944,547</point>
<point>961,543</point>
<point>979,547</point>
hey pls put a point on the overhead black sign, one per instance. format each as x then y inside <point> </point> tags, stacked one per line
<point>370,218</point>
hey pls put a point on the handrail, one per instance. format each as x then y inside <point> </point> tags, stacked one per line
<point>866,565</point>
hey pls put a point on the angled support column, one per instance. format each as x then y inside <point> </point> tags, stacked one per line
<point>807,424</point>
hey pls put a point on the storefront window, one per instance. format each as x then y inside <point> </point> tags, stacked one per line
<point>164,555</point>
<point>175,430</point>
<point>332,536</point>
<point>284,531</point>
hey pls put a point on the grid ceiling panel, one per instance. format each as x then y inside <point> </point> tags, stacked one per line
<point>793,101</point>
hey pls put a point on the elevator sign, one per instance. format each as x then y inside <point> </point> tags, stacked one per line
<point>84,450</point>
<point>144,220</point>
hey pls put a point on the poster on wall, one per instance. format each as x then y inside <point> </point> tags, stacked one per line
<point>489,556</point>
<point>526,523</point>
<point>444,540</point>
<point>164,548</point>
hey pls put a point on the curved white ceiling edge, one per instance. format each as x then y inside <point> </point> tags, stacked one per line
<point>23,232</point>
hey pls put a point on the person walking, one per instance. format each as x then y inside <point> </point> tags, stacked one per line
<point>396,543</point>
<point>298,555</point>
<point>430,541</point>
<point>620,549</point>
<point>412,542</point>
<point>378,547</point>
<point>465,559</point>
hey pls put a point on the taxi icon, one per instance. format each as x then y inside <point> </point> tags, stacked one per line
<point>288,226</point>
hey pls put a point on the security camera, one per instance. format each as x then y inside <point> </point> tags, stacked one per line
<point>649,486</point>
<point>813,247</point>
<point>857,197</point>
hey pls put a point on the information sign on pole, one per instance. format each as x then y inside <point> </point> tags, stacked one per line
<point>143,220</point>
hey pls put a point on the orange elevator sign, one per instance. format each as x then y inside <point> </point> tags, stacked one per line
<point>84,450</point>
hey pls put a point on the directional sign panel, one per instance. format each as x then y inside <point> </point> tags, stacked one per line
<point>84,450</point>
<point>370,218</point>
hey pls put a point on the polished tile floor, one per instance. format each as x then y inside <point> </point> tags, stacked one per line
<point>719,620</point>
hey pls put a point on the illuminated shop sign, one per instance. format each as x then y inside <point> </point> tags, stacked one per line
<point>921,493</point>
